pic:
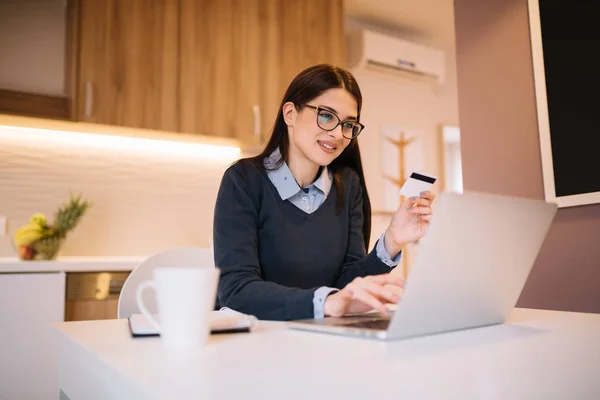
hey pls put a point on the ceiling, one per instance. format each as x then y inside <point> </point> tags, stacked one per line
<point>430,20</point>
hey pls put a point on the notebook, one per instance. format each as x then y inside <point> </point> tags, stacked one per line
<point>224,320</point>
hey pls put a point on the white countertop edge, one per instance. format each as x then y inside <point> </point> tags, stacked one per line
<point>11,265</point>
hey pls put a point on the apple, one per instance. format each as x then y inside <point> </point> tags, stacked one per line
<point>26,253</point>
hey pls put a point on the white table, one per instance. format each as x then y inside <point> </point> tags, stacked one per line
<point>536,355</point>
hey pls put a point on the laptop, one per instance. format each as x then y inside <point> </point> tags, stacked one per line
<point>469,272</point>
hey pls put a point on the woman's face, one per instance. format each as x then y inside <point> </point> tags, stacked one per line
<point>307,139</point>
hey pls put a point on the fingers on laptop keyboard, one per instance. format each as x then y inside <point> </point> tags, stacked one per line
<point>373,294</point>
<point>387,279</point>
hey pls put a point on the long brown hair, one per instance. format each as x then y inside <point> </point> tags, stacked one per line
<point>307,85</point>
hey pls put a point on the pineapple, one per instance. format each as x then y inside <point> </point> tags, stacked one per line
<point>41,241</point>
<point>68,216</point>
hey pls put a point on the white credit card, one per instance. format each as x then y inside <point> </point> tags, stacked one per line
<point>416,183</point>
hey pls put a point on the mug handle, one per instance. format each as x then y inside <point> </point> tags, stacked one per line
<point>142,307</point>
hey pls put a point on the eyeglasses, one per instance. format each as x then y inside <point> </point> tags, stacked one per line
<point>327,120</point>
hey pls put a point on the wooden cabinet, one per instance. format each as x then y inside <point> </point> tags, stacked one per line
<point>298,34</point>
<point>90,310</point>
<point>239,56</point>
<point>212,67</point>
<point>127,61</point>
<point>93,295</point>
<point>219,66</point>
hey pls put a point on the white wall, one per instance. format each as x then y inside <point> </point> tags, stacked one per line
<point>414,106</point>
<point>144,199</point>
<point>32,46</point>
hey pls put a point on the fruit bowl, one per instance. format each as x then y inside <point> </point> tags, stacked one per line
<point>39,240</point>
<point>42,249</point>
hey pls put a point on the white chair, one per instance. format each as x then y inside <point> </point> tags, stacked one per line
<point>180,256</point>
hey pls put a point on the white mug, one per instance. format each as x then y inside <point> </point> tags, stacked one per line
<point>185,297</point>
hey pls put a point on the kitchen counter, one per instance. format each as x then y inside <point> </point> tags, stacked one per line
<point>70,264</point>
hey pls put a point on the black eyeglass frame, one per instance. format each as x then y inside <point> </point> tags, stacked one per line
<point>319,108</point>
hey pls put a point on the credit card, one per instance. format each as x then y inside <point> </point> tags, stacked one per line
<point>417,183</point>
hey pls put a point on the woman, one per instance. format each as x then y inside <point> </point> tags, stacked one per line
<point>292,225</point>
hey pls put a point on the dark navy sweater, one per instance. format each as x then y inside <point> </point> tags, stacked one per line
<point>273,256</point>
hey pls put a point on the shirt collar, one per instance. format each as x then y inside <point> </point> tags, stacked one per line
<point>284,181</point>
<point>323,182</point>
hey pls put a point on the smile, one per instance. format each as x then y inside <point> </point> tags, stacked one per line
<point>326,146</point>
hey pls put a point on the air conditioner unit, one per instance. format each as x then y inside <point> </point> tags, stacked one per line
<point>394,56</point>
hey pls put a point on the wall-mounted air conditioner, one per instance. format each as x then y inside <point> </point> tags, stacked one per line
<point>391,55</point>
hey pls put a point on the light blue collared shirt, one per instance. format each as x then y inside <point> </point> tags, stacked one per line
<point>309,199</point>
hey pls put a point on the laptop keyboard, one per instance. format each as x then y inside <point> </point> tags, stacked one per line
<point>377,324</point>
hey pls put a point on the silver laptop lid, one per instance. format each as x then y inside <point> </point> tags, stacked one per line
<point>472,264</point>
